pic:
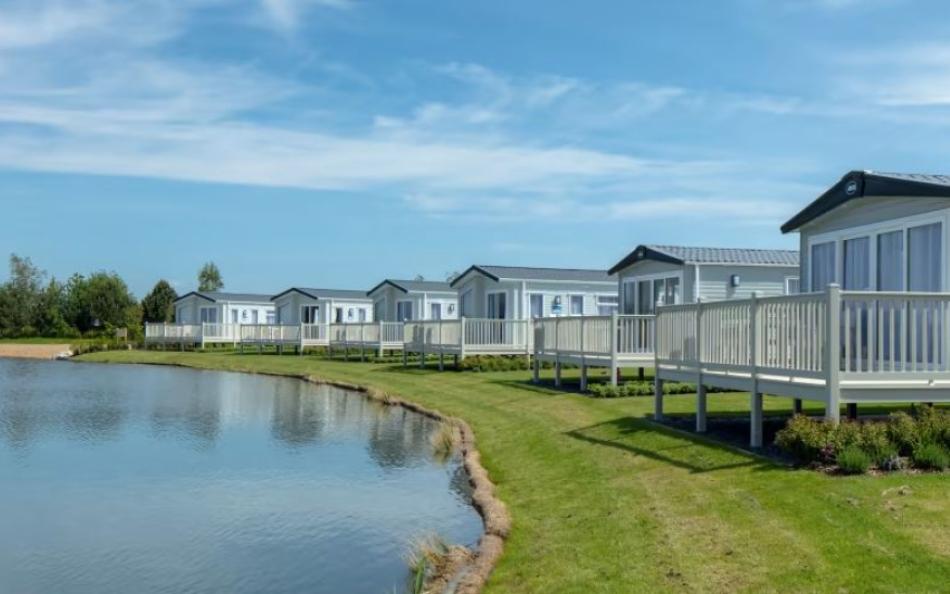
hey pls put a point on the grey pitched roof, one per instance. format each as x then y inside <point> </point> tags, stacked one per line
<point>869,184</point>
<point>677,254</point>
<point>407,286</point>
<point>532,273</point>
<point>325,293</point>
<point>216,296</point>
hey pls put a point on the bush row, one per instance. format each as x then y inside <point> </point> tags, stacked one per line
<point>638,388</point>
<point>921,439</point>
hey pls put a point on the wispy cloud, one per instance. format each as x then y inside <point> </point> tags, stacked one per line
<point>287,14</point>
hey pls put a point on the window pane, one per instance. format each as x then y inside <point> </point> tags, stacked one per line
<point>791,285</point>
<point>644,298</point>
<point>923,258</point>
<point>577,305</point>
<point>822,265</point>
<point>659,290</point>
<point>890,261</point>
<point>629,297</point>
<point>537,306</point>
<point>672,295</point>
<point>857,262</point>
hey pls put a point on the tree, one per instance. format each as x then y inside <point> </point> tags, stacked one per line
<point>101,301</point>
<point>158,306</point>
<point>19,297</point>
<point>209,278</point>
<point>49,319</point>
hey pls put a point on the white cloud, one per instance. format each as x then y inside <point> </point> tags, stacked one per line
<point>287,14</point>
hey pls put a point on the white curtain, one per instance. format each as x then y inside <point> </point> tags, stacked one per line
<point>923,262</point>
<point>890,261</point>
<point>822,265</point>
<point>857,262</point>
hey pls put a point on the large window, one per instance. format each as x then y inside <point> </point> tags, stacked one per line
<point>792,286</point>
<point>234,316</point>
<point>209,315</point>
<point>822,265</point>
<point>607,305</point>
<point>497,306</point>
<point>435,311</point>
<point>403,311</point>
<point>644,298</point>
<point>537,305</point>
<point>577,305</point>
<point>378,310</point>
<point>309,314</point>
<point>254,316</point>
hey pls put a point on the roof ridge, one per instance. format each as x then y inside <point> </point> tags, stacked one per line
<point>540,267</point>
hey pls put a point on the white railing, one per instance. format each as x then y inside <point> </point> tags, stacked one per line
<point>270,334</point>
<point>368,333</point>
<point>595,336</point>
<point>159,332</point>
<point>833,336</point>
<point>468,335</point>
<point>894,334</point>
<point>314,333</point>
<point>211,332</point>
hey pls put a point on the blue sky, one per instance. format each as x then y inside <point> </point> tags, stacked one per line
<point>337,142</point>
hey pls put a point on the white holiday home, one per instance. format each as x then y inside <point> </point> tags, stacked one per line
<point>322,306</point>
<point>669,274</point>
<point>217,307</point>
<point>408,300</point>
<point>523,293</point>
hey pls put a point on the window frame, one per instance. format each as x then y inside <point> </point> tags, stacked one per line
<point>872,231</point>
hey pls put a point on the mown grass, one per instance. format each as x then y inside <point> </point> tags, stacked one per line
<point>604,500</point>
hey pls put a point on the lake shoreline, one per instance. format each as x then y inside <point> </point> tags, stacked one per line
<point>472,572</point>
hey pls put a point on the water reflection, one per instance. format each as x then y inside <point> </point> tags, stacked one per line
<point>147,479</point>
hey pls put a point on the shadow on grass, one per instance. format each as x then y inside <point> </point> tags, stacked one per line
<point>663,444</point>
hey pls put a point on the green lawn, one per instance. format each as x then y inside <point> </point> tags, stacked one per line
<point>604,500</point>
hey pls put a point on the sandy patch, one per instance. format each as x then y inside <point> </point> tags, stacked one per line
<point>32,351</point>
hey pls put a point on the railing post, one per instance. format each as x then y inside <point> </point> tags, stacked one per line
<point>462,338</point>
<point>833,354</point>
<point>700,387</point>
<point>536,364</point>
<point>614,355</point>
<point>755,396</point>
<point>381,330</point>
<point>557,352</point>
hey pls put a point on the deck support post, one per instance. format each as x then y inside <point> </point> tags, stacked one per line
<point>833,351</point>
<point>441,361</point>
<point>457,361</point>
<point>535,369</point>
<point>405,358</point>
<point>614,363</point>
<point>640,375</point>
<point>852,411</point>
<point>657,399</point>
<point>797,406</point>
<point>700,408</point>
<point>583,377</point>
<point>557,373</point>
<point>755,432</point>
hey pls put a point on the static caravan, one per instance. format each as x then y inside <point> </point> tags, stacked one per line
<point>667,275</point>
<point>523,293</point>
<point>878,232</point>
<point>410,300</point>
<point>216,307</point>
<point>322,306</point>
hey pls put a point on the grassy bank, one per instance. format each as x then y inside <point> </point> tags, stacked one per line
<point>603,500</point>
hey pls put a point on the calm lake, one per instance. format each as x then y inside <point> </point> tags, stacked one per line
<point>153,479</point>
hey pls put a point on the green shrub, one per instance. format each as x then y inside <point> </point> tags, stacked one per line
<point>637,388</point>
<point>931,456</point>
<point>902,432</point>
<point>481,363</point>
<point>853,460</point>
<point>933,426</point>
<point>806,439</point>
